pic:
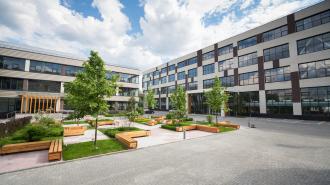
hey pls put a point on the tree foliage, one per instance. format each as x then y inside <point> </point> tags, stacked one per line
<point>217,98</point>
<point>178,101</point>
<point>88,92</point>
<point>131,104</point>
<point>150,100</point>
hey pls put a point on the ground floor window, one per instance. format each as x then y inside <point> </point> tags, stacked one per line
<point>198,105</point>
<point>10,105</point>
<point>315,101</point>
<point>279,102</point>
<point>244,103</point>
<point>163,103</point>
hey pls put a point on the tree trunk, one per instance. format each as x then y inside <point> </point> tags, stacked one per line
<point>96,130</point>
<point>216,117</point>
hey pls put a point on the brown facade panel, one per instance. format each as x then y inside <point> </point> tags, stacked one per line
<point>235,51</point>
<point>167,69</point>
<point>236,77</point>
<point>276,63</point>
<point>261,73</point>
<point>199,58</point>
<point>259,38</point>
<point>291,23</point>
<point>215,53</point>
<point>186,82</point>
<point>295,86</point>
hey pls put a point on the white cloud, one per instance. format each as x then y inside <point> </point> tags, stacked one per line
<point>170,28</point>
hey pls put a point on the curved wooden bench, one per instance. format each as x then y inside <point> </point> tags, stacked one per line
<point>74,131</point>
<point>126,138</point>
<point>228,124</point>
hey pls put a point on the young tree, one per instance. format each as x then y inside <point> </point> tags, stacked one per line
<point>217,98</point>
<point>131,104</point>
<point>87,93</point>
<point>150,99</point>
<point>178,101</point>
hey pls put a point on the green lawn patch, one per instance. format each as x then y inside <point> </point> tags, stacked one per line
<point>142,120</point>
<point>111,132</point>
<point>85,149</point>
<point>225,129</point>
<point>74,122</point>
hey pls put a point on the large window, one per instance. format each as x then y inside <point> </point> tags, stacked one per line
<point>314,44</point>
<point>124,77</point>
<point>171,78</point>
<point>277,74</point>
<point>227,81</point>
<point>249,78</point>
<point>247,42</point>
<point>244,103</point>
<point>314,69</point>
<point>208,55</point>
<point>155,82</point>
<point>315,101</point>
<point>275,33</point>
<point>72,70</point>
<point>192,86</point>
<point>277,52</point>
<point>249,59</point>
<point>12,63</point>
<point>181,64</point>
<point>226,64</point>
<point>192,73</point>
<point>313,21</point>
<point>171,89</point>
<point>208,83</point>
<point>124,91</point>
<point>163,90</point>
<point>163,80</point>
<point>44,86</point>
<point>45,67</point>
<point>225,49</point>
<point>181,75</point>
<point>279,102</point>
<point>11,84</point>
<point>171,67</point>
<point>192,61</point>
<point>208,69</point>
<point>155,73</point>
<point>163,70</point>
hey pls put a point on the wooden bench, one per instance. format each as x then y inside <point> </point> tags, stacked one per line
<point>152,123</point>
<point>74,131</point>
<point>204,128</point>
<point>126,138</point>
<point>101,123</point>
<point>55,150</point>
<point>228,124</point>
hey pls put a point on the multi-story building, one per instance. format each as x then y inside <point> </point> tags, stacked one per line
<point>281,68</point>
<point>32,79</point>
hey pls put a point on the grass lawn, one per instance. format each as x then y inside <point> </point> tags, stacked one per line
<point>225,129</point>
<point>73,122</point>
<point>186,123</point>
<point>74,151</point>
<point>111,132</point>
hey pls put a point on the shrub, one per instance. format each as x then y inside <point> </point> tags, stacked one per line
<point>170,115</point>
<point>112,132</point>
<point>35,132</point>
<point>187,119</point>
<point>47,121</point>
<point>209,118</point>
<point>140,110</point>
<point>132,115</point>
<point>54,131</point>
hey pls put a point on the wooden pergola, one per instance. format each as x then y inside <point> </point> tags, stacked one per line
<point>36,103</point>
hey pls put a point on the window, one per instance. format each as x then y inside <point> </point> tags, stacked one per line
<point>11,84</point>
<point>316,101</point>
<point>208,55</point>
<point>163,90</point>
<point>181,75</point>
<point>208,83</point>
<point>124,77</point>
<point>163,80</point>
<point>277,74</point>
<point>155,82</point>
<point>247,42</point>
<point>72,70</point>
<point>314,44</point>
<point>163,70</point>
<point>171,67</point>
<point>45,67</point>
<point>156,91</point>
<point>192,86</point>
<point>279,102</point>
<point>248,78</point>
<point>192,73</point>
<point>277,52</point>
<point>249,59</point>
<point>225,49</point>
<point>314,69</point>
<point>44,86</point>
<point>313,21</point>
<point>208,69</point>
<point>155,73</point>
<point>171,78</point>
<point>171,89</point>
<point>192,61</point>
<point>226,64</point>
<point>12,63</point>
<point>227,81</point>
<point>275,33</point>
<point>124,91</point>
<point>181,64</point>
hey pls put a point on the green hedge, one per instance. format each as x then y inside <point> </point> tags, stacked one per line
<point>112,132</point>
<point>173,126</point>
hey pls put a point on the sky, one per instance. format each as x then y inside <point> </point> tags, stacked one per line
<point>135,33</point>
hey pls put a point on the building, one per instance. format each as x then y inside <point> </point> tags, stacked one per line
<point>279,69</point>
<point>32,80</point>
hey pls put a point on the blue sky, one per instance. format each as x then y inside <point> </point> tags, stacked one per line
<point>135,33</point>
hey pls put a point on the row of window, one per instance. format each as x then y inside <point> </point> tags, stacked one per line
<point>314,44</point>
<point>33,85</point>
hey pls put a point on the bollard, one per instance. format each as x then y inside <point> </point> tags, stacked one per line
<point>184,134</point>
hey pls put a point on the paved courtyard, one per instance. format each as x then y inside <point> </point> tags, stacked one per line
<point>276,152</point>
